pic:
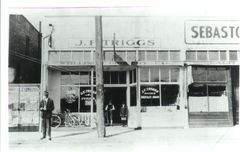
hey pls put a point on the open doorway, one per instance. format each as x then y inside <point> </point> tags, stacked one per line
<point>118,96</point>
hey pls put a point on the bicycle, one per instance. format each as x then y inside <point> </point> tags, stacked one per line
<point>67,118</point>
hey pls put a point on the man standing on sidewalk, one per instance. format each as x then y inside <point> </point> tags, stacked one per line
<point>46,107</point>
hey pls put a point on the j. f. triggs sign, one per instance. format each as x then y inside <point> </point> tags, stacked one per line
<point>212,32</point>
<point>119,43</point>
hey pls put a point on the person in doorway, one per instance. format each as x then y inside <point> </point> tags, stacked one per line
<point>109,112</point>
<point>46,107</point>
<point>124,114</point>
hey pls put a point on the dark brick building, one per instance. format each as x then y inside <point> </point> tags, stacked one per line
<point>24,51</point>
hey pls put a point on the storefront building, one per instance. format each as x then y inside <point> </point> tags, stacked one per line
<point>170,72</point>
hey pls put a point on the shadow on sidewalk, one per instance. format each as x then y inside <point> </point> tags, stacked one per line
<point>72,134</point>
<point>120,133</point>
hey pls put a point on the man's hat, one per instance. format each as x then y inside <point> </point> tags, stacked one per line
<point>46,92</point>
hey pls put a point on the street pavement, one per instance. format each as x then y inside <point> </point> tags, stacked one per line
<point>123,139</point>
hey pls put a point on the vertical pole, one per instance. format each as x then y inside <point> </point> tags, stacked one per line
<point>99,78</point>
<point>42,66</point>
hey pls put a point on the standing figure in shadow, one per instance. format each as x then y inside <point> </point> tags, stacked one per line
<point>109,112</point>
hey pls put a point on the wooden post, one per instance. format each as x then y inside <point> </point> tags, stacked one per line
<point>99,78</point>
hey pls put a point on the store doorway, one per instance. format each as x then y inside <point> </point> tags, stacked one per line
<point>118,96</point>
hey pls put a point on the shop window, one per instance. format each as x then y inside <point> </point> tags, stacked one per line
<point>202,55</point>
<point>122,77</point>
<point>223,55</point>
<point>154,74</point>
<point>144,74</point>
<point>114,77</point>
<point>94,77</point>
<point>151,55</point>
<point>85,99</point>
<point>131,56</point>
<point>150,95</point>
<point>141,55</point>
<point>174,75</point>
<point>197,90</point>
<point>132,76</point>
<point>65,78</point>
<point>199,74</point>
<point>85,78</point>
<point>174,55</point>
<point>169,94</point>
<point>165,75</point>
<point>217,90</point>
<point>69,98</point>
<point>106,77</point>
<point>213,55</point>
<point>233,55</point>
<point>77,56</point>
<point>75,78</point>
<point>65,56</point>
<point>163,55</point>
<point>191,55</point>
<point>133,96</point>
<point>87,56</point>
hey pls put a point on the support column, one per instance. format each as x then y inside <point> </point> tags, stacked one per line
<point>138,100</point>
<point>230,95</point>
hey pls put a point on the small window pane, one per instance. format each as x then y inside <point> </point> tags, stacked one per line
<point>75,78</point>
<point>216,74</point>
<point>134,76</point>
<point>133,96</point>
<point>130,77</point>
<point>163,55</point>
<point>144,74</point>
<point>131,56</point>
<point>165,75</point>
<point>174,75</point>
<point>151,55</point>
<point>223,55</point>
<point>65,78</point>
<point>199,74</point>
<point>202,55</point>
<point>154,73</point>
<point>174,55</point>
<point>122,77</point>
<point>77,56</point>
<point>217,91</point>
<point>65,56</point>
<point>114,77</point>
<point>197,90</point>
<point>87,56</point>
<point>85,78</point>
<point>106,77</point>
<point>141,55</point>
<point>190,55</point>
<point>233,55</point>
<point>213,55</point>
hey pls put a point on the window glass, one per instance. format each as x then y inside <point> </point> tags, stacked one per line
<point>65,78</point>
<point>141,55</point>
<point>114,77</point>
<point>69,98</point>
<point>198,90</point>
<point>144,74</point>
<point>87,56</point>
<point>75,78</point>
<point>85,78</point>
<point>131,56</point>
<point>216,74</point>
<point>169,94</point>
<point>165,75</point>
<point>163,55</point>
<point>130,77</point>
<point>77,56</point>
<point>85,99</point>
<point>154,74</point>
<point>150,95</point>
<point>233,55</point>
<point>223,55</point>
<point>191,55</point>
<point>199,74</point>
<point>217,90</point>
<point>133,96</point>
<point>122,77</point>
<point>202,55</point>
<point>151,55</point>
<point>134,73</point>
<point>174,55</point>
<point>65,56</point>
<point>213,55</point>
<point>174,75</point>
<point>106,77</point>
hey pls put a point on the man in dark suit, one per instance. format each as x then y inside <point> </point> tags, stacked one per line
<point>46,107</point>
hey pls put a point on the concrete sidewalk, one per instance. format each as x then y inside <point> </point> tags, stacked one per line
<point>126,139</point>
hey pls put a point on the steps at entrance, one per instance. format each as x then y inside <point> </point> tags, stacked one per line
<point>215,119</point>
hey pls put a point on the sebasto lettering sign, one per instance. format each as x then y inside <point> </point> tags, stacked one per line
<point>119,43</point>
<point>212,32</point>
